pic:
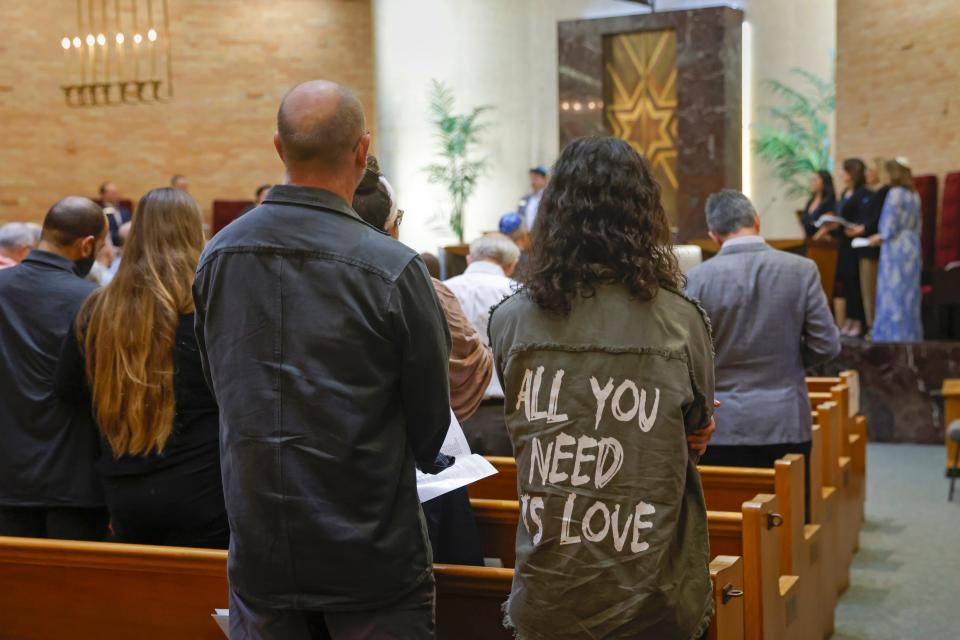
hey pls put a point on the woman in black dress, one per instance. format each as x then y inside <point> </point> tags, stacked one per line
<point>823,200</point>
<point>132,360</point>
<point>853,208</point>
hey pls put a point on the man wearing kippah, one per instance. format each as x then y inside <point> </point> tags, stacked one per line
<point>513,226</point>
<point>530,203</point>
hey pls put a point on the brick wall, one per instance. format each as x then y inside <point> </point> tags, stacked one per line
<point>232,61</point>
<point>898,82</point>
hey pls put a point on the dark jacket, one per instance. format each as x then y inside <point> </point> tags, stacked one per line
<point>48,448</point>
<point>326,348</point>
<point>871,221</point>
<point>612,540</point>
<point>808,219</point>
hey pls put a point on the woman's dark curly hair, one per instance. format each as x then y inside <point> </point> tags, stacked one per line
<point>600,221</point>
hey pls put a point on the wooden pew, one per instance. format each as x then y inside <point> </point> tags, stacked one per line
<point>727,488</point>
<point>951,412</point>
<point>825,511</point>
<point>838,472</point>
<point>105,591</point>
<point>469,601</point>
<point>771,601</point>
<point>845,390</point>
<point>109,591</point>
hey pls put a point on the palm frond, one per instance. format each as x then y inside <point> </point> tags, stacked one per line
<point>457,135</point>
<point>795,142</point>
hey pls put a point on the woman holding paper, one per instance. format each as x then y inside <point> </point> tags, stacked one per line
<point>852,206</point>
<point>822,201</point>
<point>608,374</point>
<point>898,282</point>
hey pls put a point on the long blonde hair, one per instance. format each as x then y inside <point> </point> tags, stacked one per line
<point>128,328</point>
<point>899,175</point>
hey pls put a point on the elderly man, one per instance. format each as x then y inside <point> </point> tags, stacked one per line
<point>513,226</point>
<point>326,348</point>
<point>770,319</point>
<point>484,284</point>
<point>48,485</point>
<point>17,239</point>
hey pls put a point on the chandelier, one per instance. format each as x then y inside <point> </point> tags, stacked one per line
<point>119,53</point>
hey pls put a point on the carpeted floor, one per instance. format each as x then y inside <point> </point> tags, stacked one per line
<point>905,581</point>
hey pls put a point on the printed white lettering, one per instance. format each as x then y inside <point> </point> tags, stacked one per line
<point>583,443</point>
<point>552,415</point>
<point>540,460</point>
<point>524,503</point>
<point>565,537</point>
<point>643,509</point>
<point>588,532</point>
<point>535,413</point>
<point>563,440</point>
<point>620,535</point>
<point>612,449</point>
<point>535,504</point>
<point>524,396</point>
<point>647,420</point>
<point>618,412</point>
<point>601,395</point>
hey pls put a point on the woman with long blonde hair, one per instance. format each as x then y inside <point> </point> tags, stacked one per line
<point>898,281</point>
<point>133,358</point>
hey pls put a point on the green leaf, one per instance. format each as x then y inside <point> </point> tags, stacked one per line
<point>795,143</point>
<point>457,135</point>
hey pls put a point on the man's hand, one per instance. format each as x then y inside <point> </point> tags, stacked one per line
<point>698,440</point>
<point>875,240</point>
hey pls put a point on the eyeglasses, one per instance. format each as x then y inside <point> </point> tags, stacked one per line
<point>399,219</point>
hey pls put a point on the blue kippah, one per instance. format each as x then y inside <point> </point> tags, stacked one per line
<point>542,170</point>
<point>510,222</point>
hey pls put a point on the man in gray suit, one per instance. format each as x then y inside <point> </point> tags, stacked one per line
<point>770,320</point>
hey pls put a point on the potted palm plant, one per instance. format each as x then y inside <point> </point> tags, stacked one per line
<point>457,168</point>
<point>796,141</point>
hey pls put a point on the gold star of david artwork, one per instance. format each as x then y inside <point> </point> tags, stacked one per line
<point>640,101</point>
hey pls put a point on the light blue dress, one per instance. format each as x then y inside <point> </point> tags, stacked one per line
<point>898,282</point>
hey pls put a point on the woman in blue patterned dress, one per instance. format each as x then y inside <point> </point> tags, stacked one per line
<point>898,283</point>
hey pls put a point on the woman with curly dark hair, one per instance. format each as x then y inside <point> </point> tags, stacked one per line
<point>608,375</point>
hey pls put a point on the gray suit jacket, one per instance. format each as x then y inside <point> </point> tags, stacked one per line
<point>770,320</point>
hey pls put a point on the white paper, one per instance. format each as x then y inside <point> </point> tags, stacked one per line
<point>222,617</point>
<point>455,444</point>
<point>860,243</point>
<point>822,220</point>
<point>466,470</point>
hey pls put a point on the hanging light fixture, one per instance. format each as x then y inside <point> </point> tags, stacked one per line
<point>108,60</point>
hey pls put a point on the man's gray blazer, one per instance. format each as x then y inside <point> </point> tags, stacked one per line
<point>770,320</point>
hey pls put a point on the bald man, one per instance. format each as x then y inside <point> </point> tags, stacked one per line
<point>326,348</point>
<point>48,485</point>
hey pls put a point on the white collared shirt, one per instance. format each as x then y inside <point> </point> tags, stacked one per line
<point>482,286</point>
<point>533,206</point>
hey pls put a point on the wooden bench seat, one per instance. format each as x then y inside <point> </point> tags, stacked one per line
<point>109,591</point>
